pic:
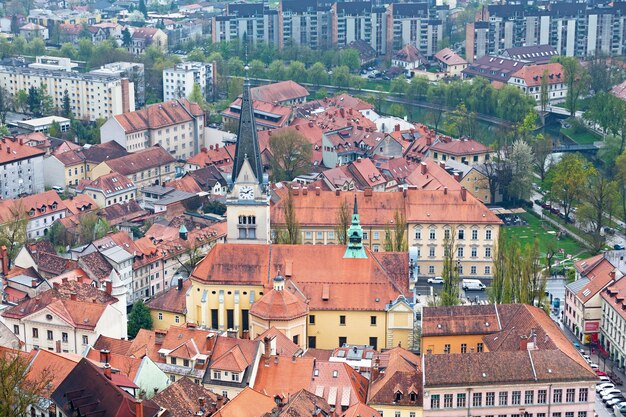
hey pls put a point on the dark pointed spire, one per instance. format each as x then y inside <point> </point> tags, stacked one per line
<point>247,141</point>
<point>356,210</point>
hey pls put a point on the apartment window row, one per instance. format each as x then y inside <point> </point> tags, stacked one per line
<point>432,234</point>
<point>506,398</point>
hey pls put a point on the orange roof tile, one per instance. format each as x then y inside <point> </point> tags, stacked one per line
<point>283,375</point>
<point>280,114</point>
<point>56,365</point>
<point>231,354</point>
<point>601,275</point>
<point>429,175</point>
<point>280,344</point>
<point>360,410</point>
<point>186,183</point>
<point>107,184</point>
<point>279,92</point>
<point>143,160</point>
<point>13,150</point>
<point>404,370</point>
<point>533,74</point>
<point>159,115</point>
<point>339,384</point>
<point>280,305</point>
<point>247,403</point>
<point>460,147</point>
<point>126,365</point>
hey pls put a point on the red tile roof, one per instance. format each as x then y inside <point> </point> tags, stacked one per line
<point>352,284</point>
<point>280,344</point>
<point>280,305</point>
<point>143,160</point>
<point>360,410</point>
<point>533,74</point>
<point>615,296</point>
<point>159,115</point>
<point>281,113</point>
<point>403,370</point>
<point>429,175</point>
<point>279,92</point>
<point>449,57</point>
<point>247,403</point>
<point>231,354</point>
<point>172,300</point>
<point>56,365</point>
<point>13,150</point>
<point>339,384</point>
<point>108,184</point>
<point>460,147</point>
<point>220,156</point>
<point>619,91</point>
<point>284,375</point>
<point>80,203</point>
<point>181,399</point>
<point>31,206</point>
<point>599,276</point>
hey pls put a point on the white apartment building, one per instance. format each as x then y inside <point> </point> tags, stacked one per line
<point>176,125</point>
<point>178,81</point>
<point>66,318</point>
<point>21,168</point>
<point>91,96</point>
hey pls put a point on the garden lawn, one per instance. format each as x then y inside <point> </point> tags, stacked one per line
<point>535,230</point>
<point>585,137</point>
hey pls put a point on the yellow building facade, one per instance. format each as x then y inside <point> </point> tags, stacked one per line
<point>162,320</point>
<point>453,344</point>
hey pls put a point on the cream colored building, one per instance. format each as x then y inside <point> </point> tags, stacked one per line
<point>430,215</point>
<point>91,96</point>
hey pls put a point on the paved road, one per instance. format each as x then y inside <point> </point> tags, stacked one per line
<point>424,288</point>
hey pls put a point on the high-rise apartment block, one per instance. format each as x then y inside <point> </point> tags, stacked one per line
<point>573,29</point>
<point>322,24</point>
<point>178,81</point>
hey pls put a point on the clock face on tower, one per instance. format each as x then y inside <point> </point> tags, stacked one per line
<point>246,192</point>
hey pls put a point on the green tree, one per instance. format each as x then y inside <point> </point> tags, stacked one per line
<point>235,66</point>
<point>66,111</point>
<point>544,93</point>
<point>290,155</point>
<point>13,230</point>
<point>576,80</point>
<point>197,97</point>
<point>21,390</point>
<point>600,196</point>
<point>341,76</point>
<point>568,179</point>
<point>36,47</point>
<point>317,74</point>
<point>5,104</point>
<point>257,69</point>
<point>296,71</point>
<point>276,70</point>
<point>92,227</point>
<point>4,130</point>
<point>290,234</point>
<point>343,222</point>
<point>21,100</point>
<point>542,151</point>
<point>55,130</point>
<point>142,8</point>
<point>350,58</point>
<point>139,318</point>
<point>450,292</point>
<point>57,234</point>
<point>127,39</point>
<point>620,178</point>
<point>521,163</point>
<point>609,112</point>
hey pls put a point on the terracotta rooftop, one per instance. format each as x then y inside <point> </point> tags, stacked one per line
<point>280,305</point>
<point>186,183</point>
<point>231,354</point>
<point>125,365</point>
<point>302,403</point>
<point>80,203</point>
<point>284,375</point>
<point>429,175</point>
<point>32,206</point>
<point>159,115</point>
<point>100,397</point>
<point>109,184</point>
<point>279,92</point>
<point>145,33</point>
<point>181,399</point>
<point>280,344</point>
<point>118,346</point>
<point>338,284</point>
<point>96,265</point>
<point>593,280</point>
<point>121,212</point>
<point>103,152</point>
<point>265,113</point>
<point>247,403</point>
<point>449,57</point>
<point>172,300</point>
<point>56,365</point>
<point>460,147</point>
<point>339,384</point>
<point>460,320</point>
<point>533,74</point>
<point>139,161</point>
<point>615,296</point>
<point>409,53</point>
<point>403,370</point>
<point>548,356</point>
<point>619,91</point>
<point>418,206</point>
<point>13,150</point>
<point>360,410</point>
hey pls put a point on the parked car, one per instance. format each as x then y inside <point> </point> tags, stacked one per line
<point>604,379</point>
<point>435,280</point>
<point>611,396</point>
<point>609,391</point>
<point>554,210</point>
<point>473,285</point>
<point>619,408</point>
<point>610,403</point>
<point>594,366</point>
<point>587,357</point>
<point>618,247</point>
<point>606,385</point>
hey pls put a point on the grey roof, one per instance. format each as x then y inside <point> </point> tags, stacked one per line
<point>117,254</point>
<point>174,197</point>
<point>157,189</point>
<point>247,141</point>
<point>458,166</point>
<point>578,285</point>
<point>24,280</point>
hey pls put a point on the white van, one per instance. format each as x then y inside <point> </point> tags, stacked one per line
<point>58,189</point>
<point>473,285</point>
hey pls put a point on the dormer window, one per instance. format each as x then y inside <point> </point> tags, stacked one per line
<point>31,212</point>
<point>398,396</point>
<point>413,396</point>
<point>54,206</point>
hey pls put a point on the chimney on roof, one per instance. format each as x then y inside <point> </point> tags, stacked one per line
<point>396,128</point>
<point>5,259</point>
<point>297,127</point>
<point>457,176</point>
<point>429,140</point>
<point>463,193</point>
<point>318,190</point>
<point>445,190</point>
<point>33,283</point>
<point>73,296</point>
<point>310,124</point>
<point>108,287</point>
<point>423,167</point>
<point>107,371</point>
<point>523,342</point>
<point>180,283</point>
<point>201,401</point>
<point>267,347</point>
<point>64,279</point>
<point>612,274</point>
<point>105,356</point>
<point>367,192</point>
<point>337,192</point>
<point>293,358</point>
<point>305,191</point>
<point>8,149</point>
<point>138,408</point>
<point>295,190</point>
